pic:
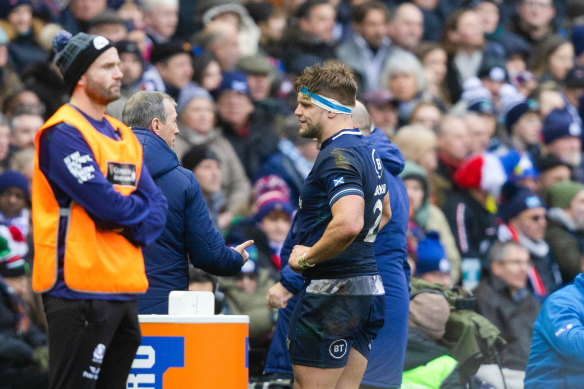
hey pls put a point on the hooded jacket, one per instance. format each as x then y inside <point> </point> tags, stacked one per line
<point>189,232</point>
<point>556,357</point>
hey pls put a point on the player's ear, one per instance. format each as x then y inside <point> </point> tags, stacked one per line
<point>331,115</point>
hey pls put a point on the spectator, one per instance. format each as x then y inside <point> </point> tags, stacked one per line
<point>551,171</point>
<point>311,40</point>
<point>230,13</point>
<point>573,92</point>
<point>204,163</point>
<point>463,40</point>
<point>552,59</point>
<point>292,160</point>
<point>406,27</point>
<point>207,72</point>
<point>161,19</point>
<point>172,61</point>
<point>132,67</point>
<point>549,97</point>
<point>556,355</point>
<point>403,76</point>
<point>221,40</point>
<point>562,138</point>
<point>470,212</point>
<point>15,202</point>
<point>524,215</point>
<point>523,123</point>
<point>432,265</point>
<point>189,232</point>
<point>259,71</point>
<point>197,124</point>
<point>453,144</point>
<point>22,161</point>
<point>565,227</point>
<point>201,281</point>
<point>9,81</point>
<point>24,33</point>
<point>110,25</point>
<point>426,361</point>
<point>23,127</point>
<point>24,100</point>
<point>426,113</point>
<point>503,299</point>
<point>4,142</point>
<point>75,18</point>
<point>533,21</point>
<point>481,123</point>
<point>493,75</point>
<point>369,47</point>
<point>272,25</point>
<point>248,129</point>
<point>382,107</point>
<point>418,145</point>
<point>429,217</point>
<point>433,58</point>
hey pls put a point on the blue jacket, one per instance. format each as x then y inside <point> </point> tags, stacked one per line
<point>391,257</point>
<point>189,231</point>
<point>556,359</point>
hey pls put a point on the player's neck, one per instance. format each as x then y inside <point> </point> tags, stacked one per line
<point>91,108</point>
<point>340,122</point>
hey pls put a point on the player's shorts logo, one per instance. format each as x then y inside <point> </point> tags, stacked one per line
<point>338,348</point>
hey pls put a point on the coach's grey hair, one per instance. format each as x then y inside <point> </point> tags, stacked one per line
<point>143,107</point>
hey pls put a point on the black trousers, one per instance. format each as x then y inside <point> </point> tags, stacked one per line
<point>92,343</point>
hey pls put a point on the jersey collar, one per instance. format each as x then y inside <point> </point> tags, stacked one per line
<point>352,131</point>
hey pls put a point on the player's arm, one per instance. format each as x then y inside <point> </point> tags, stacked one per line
<point>347,222</point>
<point>386,212</point>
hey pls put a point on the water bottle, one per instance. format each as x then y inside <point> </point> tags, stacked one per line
<point>471,273</point>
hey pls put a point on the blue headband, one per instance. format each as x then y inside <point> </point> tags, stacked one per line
<point>325,103</point>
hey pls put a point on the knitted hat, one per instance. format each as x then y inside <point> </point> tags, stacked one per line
<point>518,166</point>
<point>578,39</point>
<point>258,65</point>
<point>429,313</point>
<point>519,109</point>
<point>12,4</point>
<point>431,255</point>
<point>558,124</point>
<point>483,106</point>
<point>189,93</point>
<point>561,194</point>
<point>493,68</point>
<point>108,16</point>
<point>413,171</point>
<point>484,171</point>
<point>516,199</point>
<point>234,81</point>
<point>550,161</point>
<point>270,183</point>
<point>196,155</point>
<point>11,263</point>
<point>126,46</point>
<point>575,78</point>
<point>75,54</point>
<point>163,51</point>
<point>273,201</point>
<point>14,179</point>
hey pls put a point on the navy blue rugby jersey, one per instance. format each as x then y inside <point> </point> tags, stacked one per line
<point>346,165</point>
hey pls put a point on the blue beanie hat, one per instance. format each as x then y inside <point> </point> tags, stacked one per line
<point>431,255</point>
<point>558,124</point>
<point>516,199</point>
<point>235,81</point>
<point>515,113</point>
<point>13,179</point>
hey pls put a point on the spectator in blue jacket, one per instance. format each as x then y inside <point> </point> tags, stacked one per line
<point>556,359</point>
<point>189,231</point>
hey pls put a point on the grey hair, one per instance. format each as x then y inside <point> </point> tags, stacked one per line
<point>145,106</point>
<point>149,6</point>
<point>403,62</point>
<point>361,118</point>
<point>498,251</point>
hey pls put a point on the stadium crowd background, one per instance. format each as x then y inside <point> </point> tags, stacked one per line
<point>483,98</point>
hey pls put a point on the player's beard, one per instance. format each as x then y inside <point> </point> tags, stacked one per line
<point>312,131</point>
<point>102,94</point>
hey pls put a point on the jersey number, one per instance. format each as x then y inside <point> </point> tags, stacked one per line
<point>372,234</point>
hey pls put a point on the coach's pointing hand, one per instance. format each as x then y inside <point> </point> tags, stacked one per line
<point>241,249</point>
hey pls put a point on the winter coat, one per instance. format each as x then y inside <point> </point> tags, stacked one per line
<point>556,358</point>
<point>188,234</point>
<point>566,244</point>
<point>513,315</point>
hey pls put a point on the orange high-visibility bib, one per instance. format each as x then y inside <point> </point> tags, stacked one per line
<point>96,260</point>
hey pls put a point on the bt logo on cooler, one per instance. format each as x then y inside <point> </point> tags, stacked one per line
<point>155,356</point>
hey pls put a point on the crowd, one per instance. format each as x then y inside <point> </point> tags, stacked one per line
<point>484,99</point>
